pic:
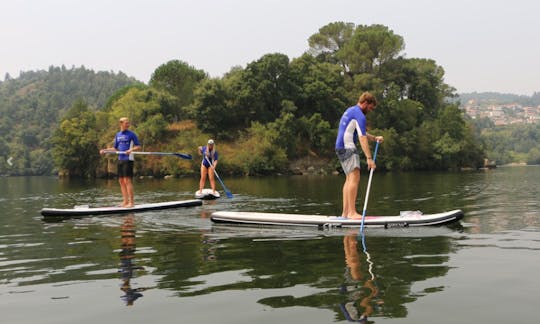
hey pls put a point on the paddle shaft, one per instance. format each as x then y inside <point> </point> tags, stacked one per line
<point>368,188</point>
<point>227,192</point>
<point>181,155</point>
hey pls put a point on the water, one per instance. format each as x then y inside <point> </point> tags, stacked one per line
<point>176,266</point>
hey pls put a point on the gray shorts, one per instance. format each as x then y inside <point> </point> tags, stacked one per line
<point>349,158</point>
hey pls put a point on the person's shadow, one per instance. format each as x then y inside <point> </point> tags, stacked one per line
<point>359,285</point>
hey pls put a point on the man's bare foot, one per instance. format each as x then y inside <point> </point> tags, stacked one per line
<point>355,216</point>
<point>129,205</point>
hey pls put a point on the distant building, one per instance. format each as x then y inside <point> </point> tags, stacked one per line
<point>502,114</point>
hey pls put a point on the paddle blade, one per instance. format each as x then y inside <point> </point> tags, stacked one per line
<point>183,156</point>
<point>229,194</point>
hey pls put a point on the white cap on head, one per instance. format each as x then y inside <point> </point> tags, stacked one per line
<point>210,141</point>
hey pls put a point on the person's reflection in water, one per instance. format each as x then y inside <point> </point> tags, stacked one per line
<point>206,213</point>
<point>359,306</point>
<point>127,254</point>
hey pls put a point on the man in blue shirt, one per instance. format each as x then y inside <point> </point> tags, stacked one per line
<point>352,127</point>
<point>125,141</point>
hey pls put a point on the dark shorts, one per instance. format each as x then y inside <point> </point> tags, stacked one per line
<point>125,168</point>
<point>349,158</point>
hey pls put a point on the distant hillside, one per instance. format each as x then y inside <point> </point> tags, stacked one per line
<point>500,98</point>
<point>509,132</point>
<point>32,104</point>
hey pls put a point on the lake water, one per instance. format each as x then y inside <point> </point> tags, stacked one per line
<point>175,266</point>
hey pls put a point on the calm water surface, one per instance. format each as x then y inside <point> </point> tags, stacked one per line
<point>176,266</point>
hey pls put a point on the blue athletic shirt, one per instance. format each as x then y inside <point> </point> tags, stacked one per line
<point>213,156</point>
<point>353,122</point>
<point>123,141</point>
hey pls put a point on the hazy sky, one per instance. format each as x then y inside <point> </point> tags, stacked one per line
<point>483,45</point>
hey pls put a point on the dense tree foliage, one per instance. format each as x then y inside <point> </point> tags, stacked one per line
<point>301,100</point>
<point>75,142</point>
<point>178,79</point>
<point>32,105</point>
<point>265,115</point>
<point>512,143</point>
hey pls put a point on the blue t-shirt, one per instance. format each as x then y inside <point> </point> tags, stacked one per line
<point>351,125</point>
<point>211,156</point>
<point>123,141</point>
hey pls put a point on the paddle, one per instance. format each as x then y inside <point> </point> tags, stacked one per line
<point>368,188</point>
<point>180,155</point>
<point>227,192</point>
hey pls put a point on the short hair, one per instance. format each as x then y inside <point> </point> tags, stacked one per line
<point>367,98</point>
<point>123,119</point>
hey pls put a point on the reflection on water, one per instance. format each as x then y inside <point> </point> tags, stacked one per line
<point>127,265</point>
<point>297,270</point>
<point>360,287</point>
<point>180,261</point>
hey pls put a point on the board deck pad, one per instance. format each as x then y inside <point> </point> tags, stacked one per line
<point>409,218</point>
<point>207,193</point>
<point>87,210</point>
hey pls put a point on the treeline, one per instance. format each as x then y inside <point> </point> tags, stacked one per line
<point>277,109</point>
<point>32,104</point>
<point>517,143</point>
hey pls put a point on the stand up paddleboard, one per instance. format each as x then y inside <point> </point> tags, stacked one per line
<point>87,210</point>
<point>207,193</point>
<point>406,219</point>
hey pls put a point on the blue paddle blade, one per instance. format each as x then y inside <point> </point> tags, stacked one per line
<point>184,156</point>
<point>227,192</point>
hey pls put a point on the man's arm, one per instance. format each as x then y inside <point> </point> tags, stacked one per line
<point>374,138</point>
<point>365,148</point>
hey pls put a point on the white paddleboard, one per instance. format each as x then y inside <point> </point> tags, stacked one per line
<point>207,193</point>
<point>409,218</point>
<point>87,210</point>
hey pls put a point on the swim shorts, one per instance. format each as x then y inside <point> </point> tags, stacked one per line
<point>125,168</point>
<point>349,158</point>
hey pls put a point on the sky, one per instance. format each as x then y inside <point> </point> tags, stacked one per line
<point>482,45</point>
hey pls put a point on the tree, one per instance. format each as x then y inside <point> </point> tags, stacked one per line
<point>286,129</point>
<point>260,152</point>
<point>403,115</point>
<point>358,49</point>
<point>320,88</point>
<point>330,41</point>
<point>264,84</point>
<point>320,135</point>
<point>179,79</point>
<point>212,110</point>
<point>370,47</point>
<point>533,157</point>
<point>148,109</point>
<point>32,105</point>
<point>75,142</point>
